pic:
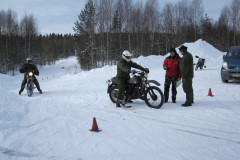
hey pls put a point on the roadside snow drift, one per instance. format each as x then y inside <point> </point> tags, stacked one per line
<point>55,125</point>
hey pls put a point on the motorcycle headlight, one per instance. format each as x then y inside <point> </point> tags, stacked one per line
<point>146,75</point>
<point>225,65</point>
<point>30,74</point>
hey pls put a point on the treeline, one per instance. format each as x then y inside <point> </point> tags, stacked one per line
<point>105,28</point>
<point>21,39</point>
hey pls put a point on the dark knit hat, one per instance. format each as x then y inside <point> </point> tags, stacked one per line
<point>173,50</point>
<point>183,48</point>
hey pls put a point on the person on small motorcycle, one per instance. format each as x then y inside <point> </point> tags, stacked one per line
<point>123,70</point>
<point>29,67</point>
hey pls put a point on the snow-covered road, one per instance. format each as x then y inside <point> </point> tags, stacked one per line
<point>55,125</point>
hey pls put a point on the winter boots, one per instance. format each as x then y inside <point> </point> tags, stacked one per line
<point>166,99</point>
<point>24,83</point>
<point>168,82</point>
<point>173,98</point>
<point>20,91</point>
<point>119,102</point>
<point>130,101</point>
<point>123,102</point>
<point>38,86</point>
<point>186,104</point>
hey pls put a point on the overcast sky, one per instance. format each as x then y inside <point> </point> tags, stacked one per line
<point>58,16</point>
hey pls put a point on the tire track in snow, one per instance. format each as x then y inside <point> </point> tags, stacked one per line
<point>195,133</point>
<point>209,136</point>
<point>15,153</point>
<point>235,98</point>
<point>177,124</point>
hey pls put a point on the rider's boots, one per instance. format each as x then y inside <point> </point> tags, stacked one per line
<point>38,86</point>
<point>22,86</point>
<point>118,104</point>
<point>20,91</point>
<point>130,101</point>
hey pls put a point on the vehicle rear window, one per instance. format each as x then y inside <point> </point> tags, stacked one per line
<point>234,53</point>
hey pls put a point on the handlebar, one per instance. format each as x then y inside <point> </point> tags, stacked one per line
<point>141,72</point>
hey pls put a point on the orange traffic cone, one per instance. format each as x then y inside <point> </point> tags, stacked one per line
<point>95,126</point>
<point>210,92</point>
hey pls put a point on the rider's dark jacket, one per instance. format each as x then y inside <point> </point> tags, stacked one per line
<point>29,68</point>
<point>124,67</point>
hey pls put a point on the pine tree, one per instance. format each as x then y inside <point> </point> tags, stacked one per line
<point>116,38</point>
<point>207,29</point>
<point>85,28</point>
<point>116,22</point>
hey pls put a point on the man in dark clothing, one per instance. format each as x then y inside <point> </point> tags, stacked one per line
<point>26,68</point>
<point>123,69</point>
<point>173,74</point>
<point>186,67</point>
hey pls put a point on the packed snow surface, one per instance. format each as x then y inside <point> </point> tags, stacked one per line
<point>55,125</point>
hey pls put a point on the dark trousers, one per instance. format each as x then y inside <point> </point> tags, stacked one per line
<point>25,81</point>
<point>188,89</point>
<point>167,84</point>
<point>121,82</point>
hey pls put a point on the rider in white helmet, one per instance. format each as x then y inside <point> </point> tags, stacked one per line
<point>127,56</point>
<point>29,67</point>
<point>123,70</point>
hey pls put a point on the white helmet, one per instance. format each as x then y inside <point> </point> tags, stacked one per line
<point>29,60</point>
<point>127,56</point>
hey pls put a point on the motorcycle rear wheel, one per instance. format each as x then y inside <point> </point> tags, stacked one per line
<point>113,93</point>
<point>154,97</point>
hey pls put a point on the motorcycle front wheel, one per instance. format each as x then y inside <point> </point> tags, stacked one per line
<point>154,97</point>
<point>30,89</point>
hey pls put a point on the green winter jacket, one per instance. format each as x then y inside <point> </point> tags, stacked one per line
<point>186,65</point>
<point>124,67</point>
<point>29,68</point>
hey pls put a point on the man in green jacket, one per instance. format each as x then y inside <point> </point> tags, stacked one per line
<point>26,68</point>
<point>123,70</point>
<point>186,67</point>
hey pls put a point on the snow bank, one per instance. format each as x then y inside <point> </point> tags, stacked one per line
<point>205,50</point>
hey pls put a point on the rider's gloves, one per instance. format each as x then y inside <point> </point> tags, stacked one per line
<point>22,70</point>
<point>133,71</point>
<point>165,67</point>
<point>146,70</point>
<point>36,72</point>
